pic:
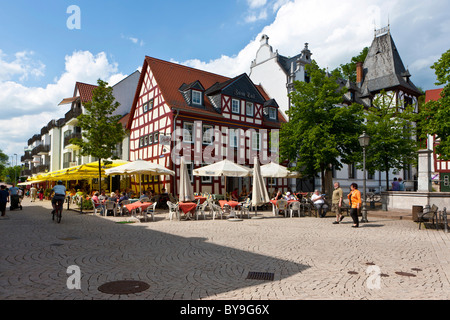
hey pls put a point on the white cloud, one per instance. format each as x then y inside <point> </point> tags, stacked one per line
<point>256,3</point>
<point>22,66</point>
<point>134,40</point>
<point>337,31</point>
<point>25,110</point>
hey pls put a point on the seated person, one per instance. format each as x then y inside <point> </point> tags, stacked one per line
<point>290,196</point>
<point>97,202</point>
<point>163,198</point>
<point>123,197</point>
<point>234,195</point>
<point>278,196</point>
<point>244,193</point>
<point>319,203</point>
<point>274,194</point>
<point>113,197</point>
<point>102,197</point>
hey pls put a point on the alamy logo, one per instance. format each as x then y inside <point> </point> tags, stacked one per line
<point>74,21</point>
<point>374,280</point>
<point>74,280</point>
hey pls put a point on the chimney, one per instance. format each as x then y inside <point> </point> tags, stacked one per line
<point>359,73</point>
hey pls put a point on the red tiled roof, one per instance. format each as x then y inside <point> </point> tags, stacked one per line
<point>171,76</point>
<point>434,94</point>
<point>85,91</point>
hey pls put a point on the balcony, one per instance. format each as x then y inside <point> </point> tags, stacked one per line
<point>71,116</point>
<point>74,135</point>
<point>41,150</point>
<point>25,173</point>
<point>40,169</point>
<point>26,157</point>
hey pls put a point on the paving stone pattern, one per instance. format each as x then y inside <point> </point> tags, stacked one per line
<point>189,260</point>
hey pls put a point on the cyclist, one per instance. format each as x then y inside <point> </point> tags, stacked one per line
<point>60,194</point>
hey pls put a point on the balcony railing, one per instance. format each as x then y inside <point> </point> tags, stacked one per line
<point>73,113</point>
<point>25,173</point>
<point>27,156</point>
<point>40,168</point>
<point>41,149</point>
<point>73,135</point>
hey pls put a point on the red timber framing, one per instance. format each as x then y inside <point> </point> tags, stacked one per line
<point>164,106</point>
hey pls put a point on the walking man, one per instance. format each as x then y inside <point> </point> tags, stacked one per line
<point>33,192</point>
<point>4,198</point>
<point>336,202</point>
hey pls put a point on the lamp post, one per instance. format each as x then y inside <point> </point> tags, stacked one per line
<point>364,140</point>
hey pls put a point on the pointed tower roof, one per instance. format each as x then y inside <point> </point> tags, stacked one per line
<point>383,67</point>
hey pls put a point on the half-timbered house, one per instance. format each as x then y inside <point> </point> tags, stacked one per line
<point>180,111</point>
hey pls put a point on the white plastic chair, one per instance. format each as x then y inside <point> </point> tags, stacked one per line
<point>122,208</point>
<point>201,208</point>
<point>216,210</point>
<point>245,208</point>
<point>173,210</point>
<point>294,206</point>
<point>97,207</point>
<point>150,210</point>
<point>110,205</point>
<point>282,205</point>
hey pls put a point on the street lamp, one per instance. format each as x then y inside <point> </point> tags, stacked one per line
<point>364,140</point>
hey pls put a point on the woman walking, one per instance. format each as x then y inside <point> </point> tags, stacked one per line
<point>355,203</point>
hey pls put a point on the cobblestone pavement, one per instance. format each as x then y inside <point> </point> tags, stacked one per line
<point>204,259</point>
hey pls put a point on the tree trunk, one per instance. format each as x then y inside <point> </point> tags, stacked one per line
<point>100,176</point>
<point>387,177</point>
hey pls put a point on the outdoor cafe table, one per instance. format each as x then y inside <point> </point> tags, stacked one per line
<point>232,204</point>
<point>187,207</point>
<point>202,199</point>
<point>274,204</point>
<point>138,205</point>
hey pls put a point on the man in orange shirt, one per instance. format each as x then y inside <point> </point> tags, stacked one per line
<point>355,203</point>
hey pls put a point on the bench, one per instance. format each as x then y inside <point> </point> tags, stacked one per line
<point>430,213</point>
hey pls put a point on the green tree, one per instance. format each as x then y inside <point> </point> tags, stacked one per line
<point>434,116</point>
<point>321,131</point>
<point>392,144</point>
<point>348,70</point>
<point>3,162</point>
<point>101,130</point>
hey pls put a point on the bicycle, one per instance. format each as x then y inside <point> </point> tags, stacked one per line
<point>58,210</point>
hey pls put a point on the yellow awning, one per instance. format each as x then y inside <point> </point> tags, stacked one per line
<point>80,172</point>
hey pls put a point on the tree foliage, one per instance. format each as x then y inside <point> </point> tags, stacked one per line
<point>101,130</point>
<point>321,131</point>
<point>390,127</point>
<point>434,116</point>
<point>348,70</point>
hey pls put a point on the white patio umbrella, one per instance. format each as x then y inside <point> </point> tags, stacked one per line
<point>259,190</point>
<point>139,167</point>
<point>224,168</point>
<point>186,192</point>
<point>275,170</point>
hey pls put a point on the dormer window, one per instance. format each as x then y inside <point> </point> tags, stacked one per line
<point>196,98</point>
<point>272,113</point>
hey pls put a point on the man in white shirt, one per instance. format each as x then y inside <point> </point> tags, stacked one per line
<point>319,202</point>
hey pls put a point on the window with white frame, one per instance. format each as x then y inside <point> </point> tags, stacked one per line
<point>196,97</point>
<point>150,138</point>
<point>249,109</point>
<point>188,132</point>
<point>233,134</point>
<point>272,113</point>
<point>207,134</point>
<point>256,140</point>
<point>150,105</point>
<point>235,106</point>
<point>145,107</point>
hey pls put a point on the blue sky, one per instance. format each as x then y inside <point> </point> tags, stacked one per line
<point>41,59</point>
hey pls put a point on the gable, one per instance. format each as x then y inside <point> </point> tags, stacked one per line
<point>242,87</point>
